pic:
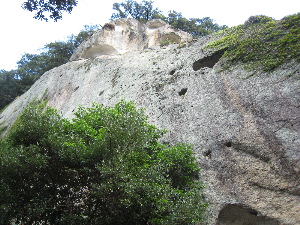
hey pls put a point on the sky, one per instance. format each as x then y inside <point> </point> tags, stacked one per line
<point>21,33</point>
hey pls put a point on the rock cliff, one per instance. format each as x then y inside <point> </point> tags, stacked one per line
<point>126,35</point>
<point>245,131</point>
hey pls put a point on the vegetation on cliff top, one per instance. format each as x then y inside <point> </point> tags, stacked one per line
<point>261,43</point>
<point>106,166</point>
<point>145,11</point>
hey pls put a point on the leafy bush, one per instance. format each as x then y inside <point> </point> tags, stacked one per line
<point>261,43</point>
<point>105,166</point>
<point>257,20</point>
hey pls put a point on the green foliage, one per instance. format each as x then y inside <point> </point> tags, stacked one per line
<point>105,166</point>
<point>8,87</point>
<point>261,19</point>
<point>52,7</point>
<point>261,43</point>
<point>85,33</point>
<point>195,26</point>
<point>2,128</point>
<point>144,11</point>
<point>32,66</point>
<point>54,54</point>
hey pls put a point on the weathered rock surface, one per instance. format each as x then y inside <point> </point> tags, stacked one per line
<point>126,35</point>
<point>245,132</point>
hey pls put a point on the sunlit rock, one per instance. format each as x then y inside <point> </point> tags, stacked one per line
<point>125,35</point>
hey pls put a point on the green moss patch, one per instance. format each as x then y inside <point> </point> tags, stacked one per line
<point>261,43</point>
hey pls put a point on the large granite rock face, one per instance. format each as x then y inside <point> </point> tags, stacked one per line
<point>126,35</point>
<point>245,132</point>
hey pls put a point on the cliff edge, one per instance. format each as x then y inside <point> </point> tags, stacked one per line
<point>245,131</point>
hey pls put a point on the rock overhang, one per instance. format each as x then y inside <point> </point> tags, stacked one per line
<point>125,35</point>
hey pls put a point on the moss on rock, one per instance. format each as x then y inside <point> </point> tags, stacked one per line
<point>261,43</point>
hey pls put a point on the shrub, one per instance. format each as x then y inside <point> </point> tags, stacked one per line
<point>105,166</point>
<point>257,20</point>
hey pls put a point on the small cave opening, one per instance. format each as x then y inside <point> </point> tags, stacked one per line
<point>171,37</point>
<point>98,50</point>
<point>208,61</point>
<point>109,26</point>
<point>236,214</point>
<point>207,153</point>
<point>172,72</point>
<point>182,91</point>
<point>228,144</point>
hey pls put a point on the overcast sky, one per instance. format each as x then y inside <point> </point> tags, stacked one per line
<point>20,33</point>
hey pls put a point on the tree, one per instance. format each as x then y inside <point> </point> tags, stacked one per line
<point>85,33</point>
<point>8,87</point>
<point>32,66</point>
<point>54,54</point>
<point>105,166</point>
<point>195,26</point>
<point>145,11</point>
<point>202,27</point>
<point>133,9</point>
<point>53,8</point>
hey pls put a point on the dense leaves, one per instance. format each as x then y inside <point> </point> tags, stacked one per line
<point>31,66</point>
<point>8,87</point>
<point>105,166</point>
<point>262,43</point>
<point>52,9</point>
<point>195,26</point>
<point>143,11</point>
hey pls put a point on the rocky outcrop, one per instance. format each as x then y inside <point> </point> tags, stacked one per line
<point>245,131</point>
<point>126,35</point>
